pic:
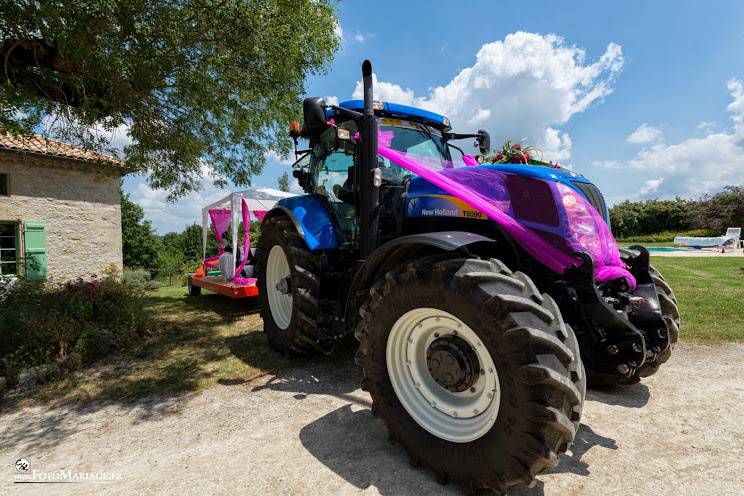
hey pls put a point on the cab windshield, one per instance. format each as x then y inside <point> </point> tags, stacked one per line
<point>415,139</point>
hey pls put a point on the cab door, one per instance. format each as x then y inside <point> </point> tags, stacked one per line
<point>332,178</point>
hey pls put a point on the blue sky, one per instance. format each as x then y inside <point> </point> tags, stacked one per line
<point>577,79</point>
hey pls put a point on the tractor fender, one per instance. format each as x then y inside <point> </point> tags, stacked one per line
<point>397,251</point>
<point>311,219</point>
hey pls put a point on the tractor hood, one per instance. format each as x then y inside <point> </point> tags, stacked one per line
<point>419,186</point>
<point>542,210</point>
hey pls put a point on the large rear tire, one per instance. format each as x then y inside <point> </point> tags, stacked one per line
<point>289,288</point>
<point>507,340</point>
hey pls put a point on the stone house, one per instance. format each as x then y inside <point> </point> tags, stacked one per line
<point>60,210</point>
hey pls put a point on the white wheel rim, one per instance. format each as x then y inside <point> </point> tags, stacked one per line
<point>459,417</point>
<point>280,304</point>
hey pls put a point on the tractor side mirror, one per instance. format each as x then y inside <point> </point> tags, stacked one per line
<point>483,141</point>
<point>313,110</point>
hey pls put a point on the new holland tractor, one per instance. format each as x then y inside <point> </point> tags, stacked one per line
<point>478,294</point>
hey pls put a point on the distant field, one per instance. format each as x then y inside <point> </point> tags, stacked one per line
<point>710,293</point>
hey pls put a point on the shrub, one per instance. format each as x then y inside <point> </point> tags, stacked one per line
<point>139,279</point>
<point>651,216</point>
<point>721,211</point>
<point>68,325</point>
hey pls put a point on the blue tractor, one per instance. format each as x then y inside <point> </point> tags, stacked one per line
<point>473,351</point>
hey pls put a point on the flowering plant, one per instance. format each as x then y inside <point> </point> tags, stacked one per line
<point>515,153</point>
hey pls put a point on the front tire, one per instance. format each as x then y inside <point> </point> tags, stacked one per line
<point>289,289</point>
<point>670,314</point>
<point>511,342</point>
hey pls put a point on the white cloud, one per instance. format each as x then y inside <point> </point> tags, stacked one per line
<point>644,134</point>
<point>174,216</point>
<point>736,107</point>
<point>359,37</point>
<point>294,186</point>
<point>707,127</point>
<point>169,216</point>
<point>331,100</point>
<point>608,164</point>
<point>651,186</point>
<point>529,83</point>
<point>389,92</point>
<point>288,160</point>
<point>338,31</point>
<point>697,165</point>
<point>60,127</point>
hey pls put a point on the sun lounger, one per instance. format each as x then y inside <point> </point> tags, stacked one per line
<point>732,239</point>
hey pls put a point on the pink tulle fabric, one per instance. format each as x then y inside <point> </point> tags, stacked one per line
<point>246,246</point>
<point>221,220</point>
<point>579,227</point>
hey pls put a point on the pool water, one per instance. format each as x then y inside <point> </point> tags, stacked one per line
<point>662,249</point>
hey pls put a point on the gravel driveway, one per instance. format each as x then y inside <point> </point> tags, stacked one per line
<point>309,432</point>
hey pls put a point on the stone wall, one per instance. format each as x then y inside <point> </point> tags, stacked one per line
<point>79,204</point>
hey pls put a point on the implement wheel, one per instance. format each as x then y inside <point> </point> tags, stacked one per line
<point>472,369</point>
<point>193,289</point>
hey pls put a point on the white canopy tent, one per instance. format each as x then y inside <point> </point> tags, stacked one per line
<point>256,199</point>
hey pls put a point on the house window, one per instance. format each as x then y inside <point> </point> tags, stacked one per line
<point>4,189</point>
<point>8,248</point>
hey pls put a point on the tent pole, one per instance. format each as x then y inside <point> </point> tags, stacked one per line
<point>205,233</point>
<point>235,205</point>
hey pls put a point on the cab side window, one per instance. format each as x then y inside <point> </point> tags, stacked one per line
<point>333,168</point>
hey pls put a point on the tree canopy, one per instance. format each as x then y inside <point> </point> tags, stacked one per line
<point>140,244</point>
<point>283,182</point>
<point>193,83</point>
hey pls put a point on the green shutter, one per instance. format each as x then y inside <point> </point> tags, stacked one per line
<point>34,240</point>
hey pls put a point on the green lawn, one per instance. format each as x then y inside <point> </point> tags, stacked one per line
<point>200,341</point>
<point>710,294</point>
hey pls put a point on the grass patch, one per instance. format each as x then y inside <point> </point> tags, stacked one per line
<point>201,341</point>
<point>710,294</point>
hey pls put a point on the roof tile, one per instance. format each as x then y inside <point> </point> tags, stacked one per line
<point>44,146</point>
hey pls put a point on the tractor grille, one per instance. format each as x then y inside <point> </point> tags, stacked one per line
<point>594,196</point>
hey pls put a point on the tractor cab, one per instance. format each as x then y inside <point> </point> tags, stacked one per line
<point>327,169</point>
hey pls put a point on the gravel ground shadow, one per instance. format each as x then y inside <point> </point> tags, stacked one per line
<point>353,444</point>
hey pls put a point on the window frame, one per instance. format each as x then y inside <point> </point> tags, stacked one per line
<point>17,236</point>
<point>7,185</point>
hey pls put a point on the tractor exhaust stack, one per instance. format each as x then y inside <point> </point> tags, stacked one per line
<point>367,190</point>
